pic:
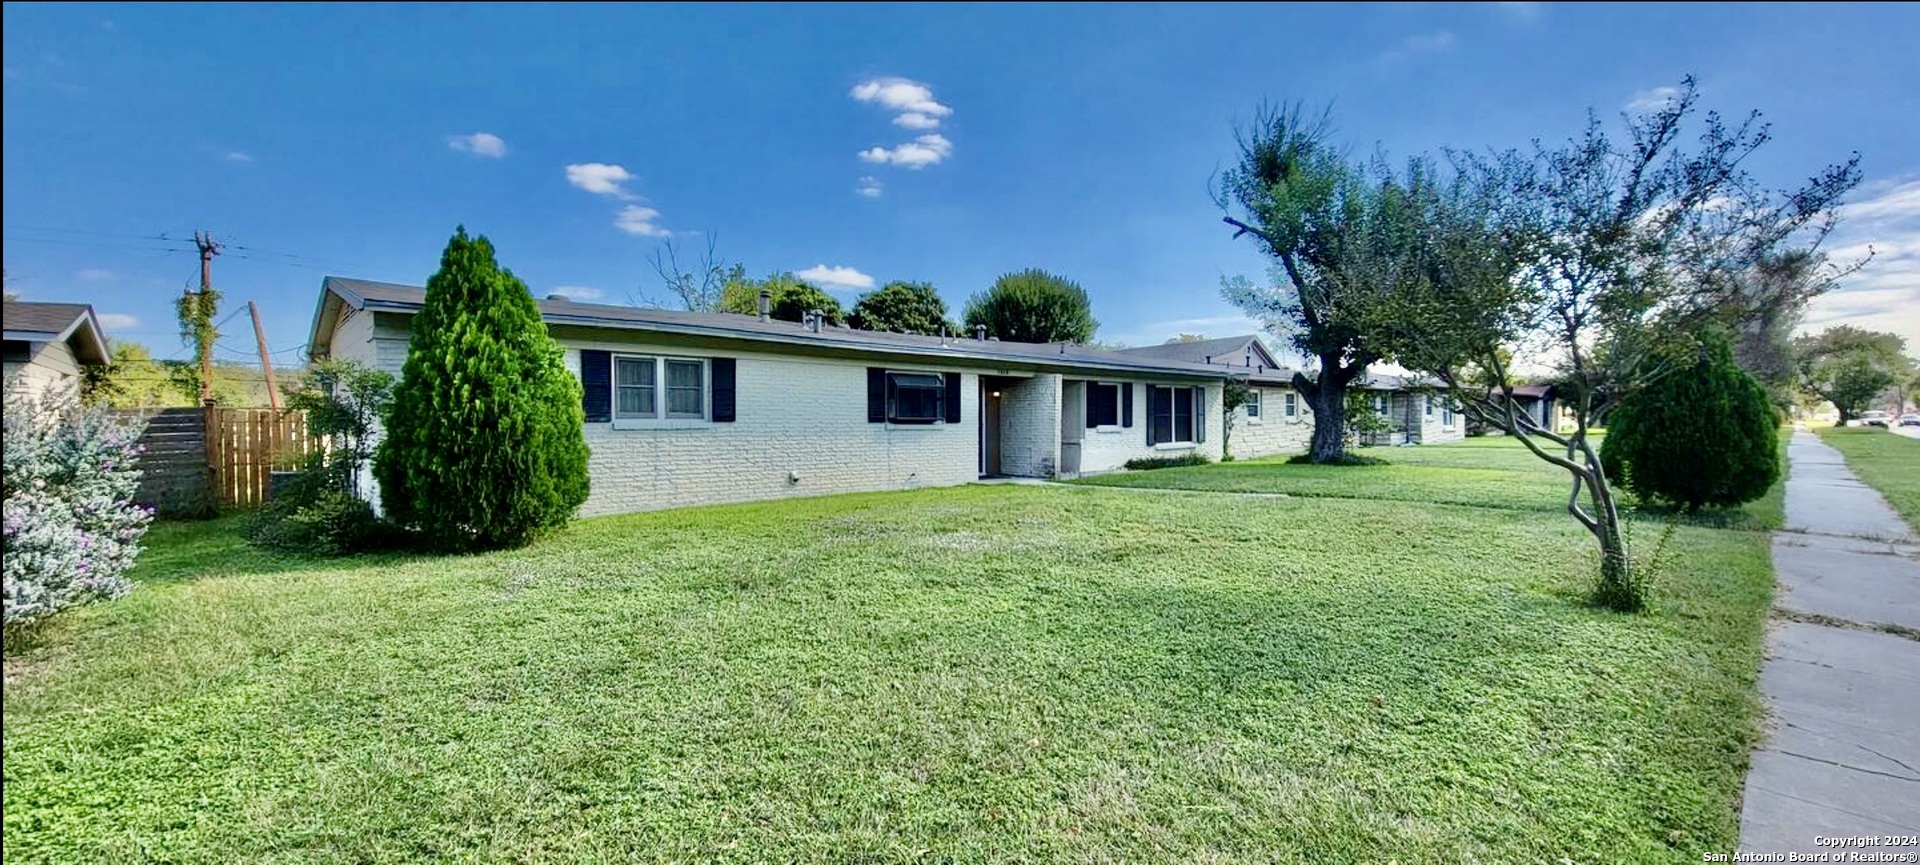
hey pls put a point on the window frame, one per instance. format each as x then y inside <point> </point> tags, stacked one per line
<point>939,402</point>
<point>652,387</point>
<point>662,415</point>
<point>1252,405</point>
<point>701,388</point>
<point>1291,405</point>
<point>1114,388</point>
<point>1173,415</point>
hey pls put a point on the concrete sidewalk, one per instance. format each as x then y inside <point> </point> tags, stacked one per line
<point>1842,753</point>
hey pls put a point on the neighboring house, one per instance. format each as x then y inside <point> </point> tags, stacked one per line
<point>1276,418</point>
<point>1537,402</point>
<point>690,408</point>
<point>48,345</point>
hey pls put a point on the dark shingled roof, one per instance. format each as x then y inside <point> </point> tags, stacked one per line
<point>389,297</point>
<point>1230,350</point>
<point>32,321</point>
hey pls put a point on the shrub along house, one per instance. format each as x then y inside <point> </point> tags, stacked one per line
<point>692,407</point>
<point>48,345</point>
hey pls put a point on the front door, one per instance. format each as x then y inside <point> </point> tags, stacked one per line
<point>1073,425</point>
<point>989,430</point>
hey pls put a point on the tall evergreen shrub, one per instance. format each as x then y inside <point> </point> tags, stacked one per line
<point>483,444</point>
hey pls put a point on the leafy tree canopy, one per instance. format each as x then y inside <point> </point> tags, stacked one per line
<point>1033,306</point>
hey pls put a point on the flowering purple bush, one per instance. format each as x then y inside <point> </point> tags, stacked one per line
<point>72,529</point>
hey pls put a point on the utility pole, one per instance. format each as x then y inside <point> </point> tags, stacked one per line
<point>208,249</point>
<point>266,360</point>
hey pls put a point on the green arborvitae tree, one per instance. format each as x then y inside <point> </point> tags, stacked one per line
<point>1702,435</point>
<point>1034,306</point>
<point>483,444</point>
<point>902,307</point>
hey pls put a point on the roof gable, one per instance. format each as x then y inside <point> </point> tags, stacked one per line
<point>72,323</point>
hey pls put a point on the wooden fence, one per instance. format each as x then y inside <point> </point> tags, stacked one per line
<point>196,460</point>
<point>246,445</point>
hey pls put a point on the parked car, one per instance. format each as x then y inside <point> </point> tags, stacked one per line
<point>1910,419</point>
<point>1873,418</point>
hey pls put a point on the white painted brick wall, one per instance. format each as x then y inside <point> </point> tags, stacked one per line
<point>1030,426</point>
<point>807,417</point>
<point>1109,450</point>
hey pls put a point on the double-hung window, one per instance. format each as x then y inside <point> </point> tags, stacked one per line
<point>637,388</point>
<point>916,397</point>
<point>1253,403</point>
<point>1172,414</point>
<point>1380,403</point>
<point>1103,404</point>
<point>1446,415</point>
<point>1293,404</point>
<point>1429,403</point>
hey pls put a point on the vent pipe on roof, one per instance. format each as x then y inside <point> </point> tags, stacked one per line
<point>980,332</point>
<point>559,297</point>
<point>766,303</point>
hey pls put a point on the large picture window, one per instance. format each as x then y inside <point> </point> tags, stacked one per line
<point>1172,414</point>
<point>1103,404</point>
<point>637,390</point>
<point>916,397</point>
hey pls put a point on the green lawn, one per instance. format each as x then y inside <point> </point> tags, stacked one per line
<point>1887,462</point>
<point>1491,472</point>
<point>973,674</point>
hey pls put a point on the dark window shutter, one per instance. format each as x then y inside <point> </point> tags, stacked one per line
<point>1149,424</point>
<point>1199,414</point>
<point>953,397</point>
<point>723,390</point>
<point>876,395</point>
<point>596,383</point>
<point>1086,403</point>
<point>1126,404</point>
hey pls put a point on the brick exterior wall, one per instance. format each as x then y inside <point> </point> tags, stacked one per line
<point>1030,427</point>
<point>1105,450</point>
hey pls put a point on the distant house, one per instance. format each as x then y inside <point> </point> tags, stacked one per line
<point>1538,403</point>
<point>48,345</point>
<point>690,407</point>
<point>1276,418</point>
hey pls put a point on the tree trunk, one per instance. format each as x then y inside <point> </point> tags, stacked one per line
<point>1844,416</point>
<point>1328,397</point>
<point>1616,589</point>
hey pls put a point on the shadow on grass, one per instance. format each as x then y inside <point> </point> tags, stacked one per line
<point>177,551</point>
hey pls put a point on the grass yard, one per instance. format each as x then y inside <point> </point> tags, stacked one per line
<point>1489,472</point>
<point>974,674</point>
<point>1887,462</point>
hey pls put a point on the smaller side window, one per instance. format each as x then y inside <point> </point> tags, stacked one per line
<point>1253,403</point>
<point>1293,404</point>
<point>1429,402</point>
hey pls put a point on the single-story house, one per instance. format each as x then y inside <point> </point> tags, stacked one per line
<point>48,345</point>
<point>1537,402</point>
<point>1276,418</point>
<point>690,408</point>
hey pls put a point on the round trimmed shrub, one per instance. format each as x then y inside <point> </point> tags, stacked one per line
<point>1702,435</point>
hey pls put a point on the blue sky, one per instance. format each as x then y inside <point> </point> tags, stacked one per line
<point>940,143</point>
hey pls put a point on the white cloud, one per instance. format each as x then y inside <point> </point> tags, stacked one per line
<point>912,98</point>
<point>1652,100</point>
<point>916,120</point>
<point>845,277</point>
<point>578,292</point>
<point>931,149</point>
<point>600,178</point>
<point>1420,43</point>
<point>1885,294</point>
<point>869,187</point>
<point>1523,11</point>
<point>635,219</point>
<point>113,321</point>
<point>93,274</point>
<point>484,144</point>
<point>239,156</point>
